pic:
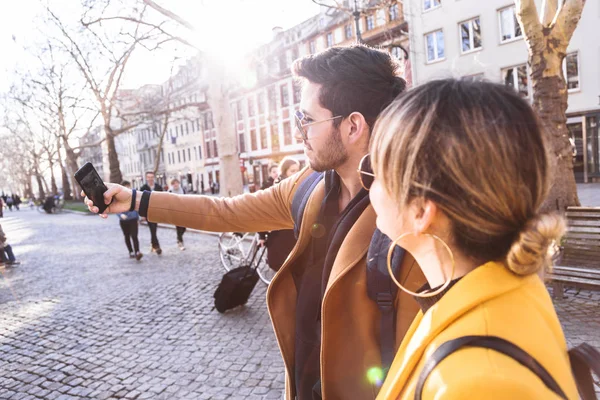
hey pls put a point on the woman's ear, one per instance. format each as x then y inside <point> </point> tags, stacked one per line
<point>423,213</point>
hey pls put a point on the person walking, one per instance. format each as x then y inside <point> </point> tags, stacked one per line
<point>330,331</point>
<point>16,201</point>
<point>444,188</point>
<point>9,202</point>
<point>281,242</point>
<point>129,225</point>
<point>178,189</point>
<point>152,186</point>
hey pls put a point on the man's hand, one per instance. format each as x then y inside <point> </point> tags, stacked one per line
<point>120,196</point>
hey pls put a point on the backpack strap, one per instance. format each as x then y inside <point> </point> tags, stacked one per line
<point>301,199</point>
<point>584,358</point>
<point>382,290</point>
<point>487,342</point>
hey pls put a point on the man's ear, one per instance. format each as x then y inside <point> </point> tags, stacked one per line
<point>358,129</point>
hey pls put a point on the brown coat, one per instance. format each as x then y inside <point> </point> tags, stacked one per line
<point>350,320</point>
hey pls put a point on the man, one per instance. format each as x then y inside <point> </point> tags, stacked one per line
<point>9,258</point>
<point>327,327</point>
<point>151,186</point>
<point>177,189</point>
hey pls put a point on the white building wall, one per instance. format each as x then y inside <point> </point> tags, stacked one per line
<point>494,55</point>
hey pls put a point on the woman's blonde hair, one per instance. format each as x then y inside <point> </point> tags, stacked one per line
<point>477,150</point>
<point>285,164</point>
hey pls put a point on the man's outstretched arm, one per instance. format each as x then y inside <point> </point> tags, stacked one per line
<point>264,210</point>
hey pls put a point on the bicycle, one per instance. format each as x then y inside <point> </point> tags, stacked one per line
<point>236,249</point>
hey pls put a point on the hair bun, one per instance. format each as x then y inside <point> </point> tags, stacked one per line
<point>529,253</point>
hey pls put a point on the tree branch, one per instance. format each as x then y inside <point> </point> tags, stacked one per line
<point>567,19</point>
<point>529,20</point>
<point>549,12</point>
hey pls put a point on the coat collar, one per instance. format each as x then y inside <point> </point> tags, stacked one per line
<point>484,283</point>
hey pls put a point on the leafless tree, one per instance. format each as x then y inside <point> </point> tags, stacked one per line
<point>547,37</point>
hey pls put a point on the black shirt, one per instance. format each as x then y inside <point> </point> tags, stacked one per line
<point>311,274</point>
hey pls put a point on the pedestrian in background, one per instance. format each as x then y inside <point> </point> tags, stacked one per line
<point>281,242</point>
<point>178,189</point>
<point>129,225</point>
<point>7,257</point>
<point>9,202</point>
<point>151,186</point>
<point>444,188</point>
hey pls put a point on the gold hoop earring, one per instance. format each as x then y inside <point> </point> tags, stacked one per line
<point>427,294</point>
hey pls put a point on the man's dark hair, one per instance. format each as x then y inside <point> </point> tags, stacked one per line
<point>149,172</point>
<point>125,183</point>
<point>356,78</point>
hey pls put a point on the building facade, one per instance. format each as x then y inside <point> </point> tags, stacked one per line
<point>471,38</point>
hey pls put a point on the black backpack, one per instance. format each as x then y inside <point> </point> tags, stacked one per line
<point>237,285</point>
<point>380,287</point>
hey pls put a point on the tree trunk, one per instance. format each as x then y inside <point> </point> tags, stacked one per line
<point>113,157</point>
<point>53,186</point>
<point>231,179</point>
<point>38,178</point>
<point>66,185</point>
<point>72,167</point>
<point>550,99</point>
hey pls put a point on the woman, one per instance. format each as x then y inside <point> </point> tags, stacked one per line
<point>280,243</point>
<point>461,172</point>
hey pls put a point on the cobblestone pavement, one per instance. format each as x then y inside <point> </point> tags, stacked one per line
<point>79,319</point>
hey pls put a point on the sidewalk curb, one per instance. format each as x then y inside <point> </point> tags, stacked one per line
<point>76,212</point>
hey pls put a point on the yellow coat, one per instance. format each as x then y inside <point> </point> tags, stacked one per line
<point>488,301</point>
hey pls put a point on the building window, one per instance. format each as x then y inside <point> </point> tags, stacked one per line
<point>242,142</point>
<point>297,92</point>
<point>571,70</point>
<point>348,31</point>
<point>329,39</point>
<point>369,22</point>
<point>253,145</point>
<point>215,148</point>
<point>397,52</point>
<point>195,153</point>
<point>251,111</point>
<point>282,63</point>
<point>208,121</point>
<point>178,156</point>
<point>176,131</point>
<point>431,4</point>
<point>509,26</point>
<point>434,43</point>
<point>189,154</point>
<point>470,35</point>
<point>263,138</point>
<point>261,103</point>
<point>394,12</point>
<point>287,133</point>
<point>200,152</point>
<point>239,110</point>
<point>517,78</point>
<point>187,129</point>
<point>198,124</point>
<point>312,47</point>
<point>285,97</point>
<point>183,151</point>
<point>272,94</point>
<point>274,137</point>
<point>295,54</point>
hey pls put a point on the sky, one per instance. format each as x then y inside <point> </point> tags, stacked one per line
<point>234,26</point>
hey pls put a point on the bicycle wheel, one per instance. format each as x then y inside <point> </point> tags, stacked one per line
<point>265,273</point>
<point>232,249</point>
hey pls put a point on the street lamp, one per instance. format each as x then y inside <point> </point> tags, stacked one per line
<point>356,15</point>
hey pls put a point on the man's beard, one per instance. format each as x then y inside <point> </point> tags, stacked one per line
<point>331,156</point>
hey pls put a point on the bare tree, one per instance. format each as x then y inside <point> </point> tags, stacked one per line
<point>547,40</point>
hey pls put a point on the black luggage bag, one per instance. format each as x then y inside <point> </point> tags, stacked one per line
<point>237,285</point>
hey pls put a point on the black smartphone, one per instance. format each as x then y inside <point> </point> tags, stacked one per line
<point>92,185</point>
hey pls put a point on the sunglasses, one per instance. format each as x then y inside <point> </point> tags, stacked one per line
<point>365,172</point>
<point>300,118</point>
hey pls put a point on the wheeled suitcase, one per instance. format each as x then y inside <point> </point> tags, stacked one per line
<point>237,285</point>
